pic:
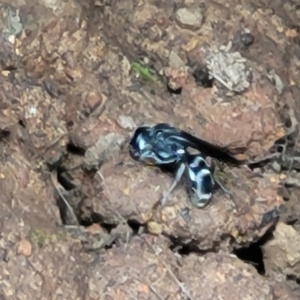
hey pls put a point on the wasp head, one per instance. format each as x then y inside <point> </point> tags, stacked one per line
<point>140,142</point>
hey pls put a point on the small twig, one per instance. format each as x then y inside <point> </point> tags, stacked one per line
<point>263,160</point>
<point>44,281</point>
<point>181,286</point>
<point>151,288</point>
<point>155,292</point>
<point>218,78</point>
<point>63,198</point>
<point>117,213</point>
<point>99,110</point>
<point>291,131</point>
<point>170,272</point>
<point>250,262</point>
<point>75,227</point>
<point>58,188</point>
<point>221,185</point>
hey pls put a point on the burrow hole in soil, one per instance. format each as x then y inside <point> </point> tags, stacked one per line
<point>96,218</point>
<point>253,253</point>
<point>75,150</point>
<point>186,249</point>
<point>174,92</point>
<point>202,77</point>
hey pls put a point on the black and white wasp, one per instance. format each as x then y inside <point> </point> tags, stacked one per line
<point>166,147</point>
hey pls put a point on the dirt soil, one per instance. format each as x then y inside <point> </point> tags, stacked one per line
<point>79,218</point>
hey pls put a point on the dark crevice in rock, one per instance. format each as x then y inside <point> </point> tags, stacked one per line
<point>75,150</point>
<point>292,221</point>
<point>202,77</point>
<point>63,210</point>
<point>252,254</point>
<point>260,163</point>
<point>22,124</point>
<point>96,219</point>
<point>242,40</point>
<point>69,203</point>
<point>174,92</point>
<point>4,134</point>
<point>53,163</point>
<point>62,178</point>
<point>187,248</point>
<point>10,68</point>
<point>293,278</point>
<point>135,226</point>
<point>282,155</point>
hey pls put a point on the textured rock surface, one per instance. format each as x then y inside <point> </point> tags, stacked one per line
<point>189,17</point>
<point>282,253</point>
<point>208,277</point>
<point>73,204</point>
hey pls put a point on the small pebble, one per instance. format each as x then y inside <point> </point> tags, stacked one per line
<point>24,248</point>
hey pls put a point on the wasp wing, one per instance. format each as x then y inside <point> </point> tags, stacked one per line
<point>185,139</point>
<point>207,149</point>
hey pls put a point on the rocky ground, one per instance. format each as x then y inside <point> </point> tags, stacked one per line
<point>79,218</point>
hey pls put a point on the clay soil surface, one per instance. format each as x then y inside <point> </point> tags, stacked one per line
<point>79,218</point>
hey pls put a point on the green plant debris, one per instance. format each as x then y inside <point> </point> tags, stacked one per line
<point>41,239</point>
<point>38,238</point>
<point>143,71</point>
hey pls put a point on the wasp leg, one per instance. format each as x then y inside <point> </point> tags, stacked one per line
<point>220,184</point>
<point>149,157</point>
<point>178,176</point>
<point>217,179</point>
<point>228,192</point>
